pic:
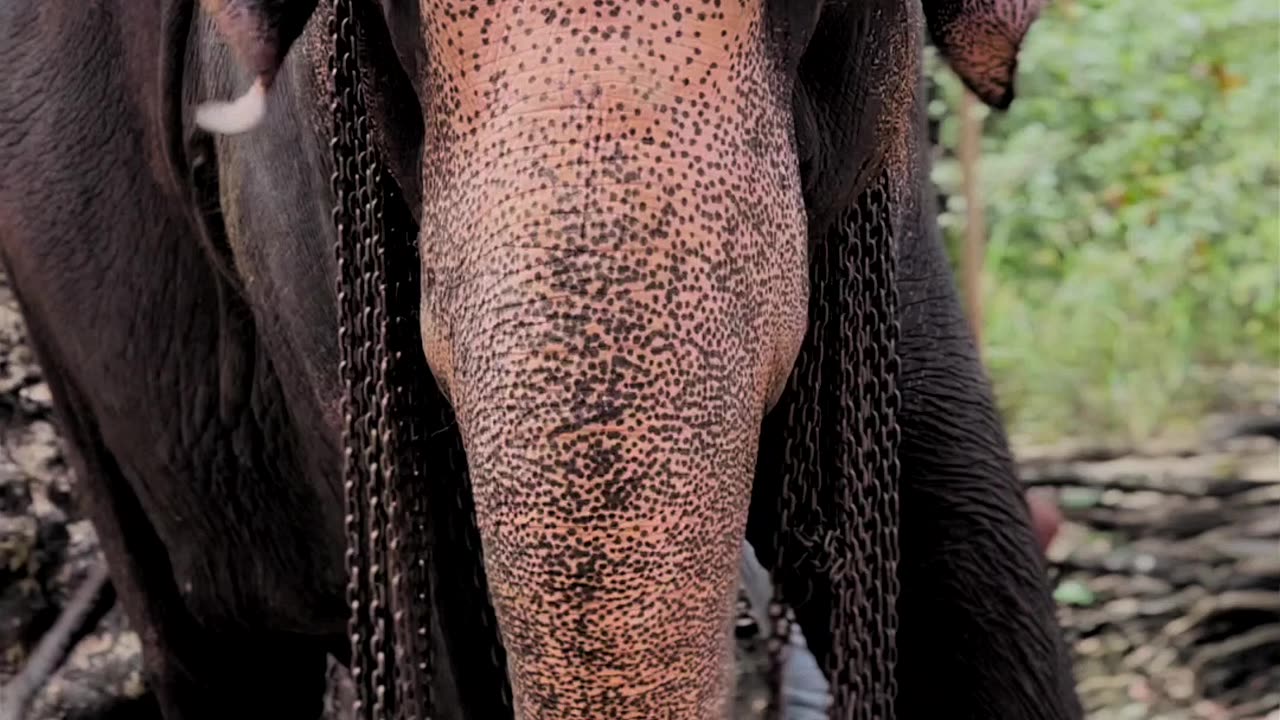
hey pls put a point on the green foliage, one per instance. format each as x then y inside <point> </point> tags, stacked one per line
<point>1133,206</point>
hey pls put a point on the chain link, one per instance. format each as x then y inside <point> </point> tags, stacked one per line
<point>388,591</point>
<point>888,439</point>
<point>837,509</point>
<point>349,360</point>
<point>852,554</point>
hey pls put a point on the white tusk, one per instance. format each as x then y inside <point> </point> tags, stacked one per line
<point>235,117</point>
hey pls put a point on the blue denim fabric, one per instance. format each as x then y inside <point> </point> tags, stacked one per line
<point>805,694</point>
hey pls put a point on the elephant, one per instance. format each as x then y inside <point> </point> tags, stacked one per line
<point>670,287</point>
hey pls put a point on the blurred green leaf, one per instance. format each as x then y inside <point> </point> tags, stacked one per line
<point>1072,592</point>
<point>1133,208</point>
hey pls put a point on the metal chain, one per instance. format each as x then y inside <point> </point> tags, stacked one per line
<point>871,265</point>
<point>852,616</point>
<point>350,362</point>
<point>411,386</point>
<point>403,443</point>
<point>837,509</point>
<point>389,405</point>
<point>884,268</point>
<point>387,593</point>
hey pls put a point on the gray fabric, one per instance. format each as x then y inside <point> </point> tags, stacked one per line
<point>805,693</point>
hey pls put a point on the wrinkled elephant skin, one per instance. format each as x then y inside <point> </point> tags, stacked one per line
<point>610,310</point>
<point>616,205</point>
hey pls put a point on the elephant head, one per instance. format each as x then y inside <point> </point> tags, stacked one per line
<point>621,206</point>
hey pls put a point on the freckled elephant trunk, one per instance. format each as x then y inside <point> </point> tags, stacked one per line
<point>614,291</point>
<point>611,497</point>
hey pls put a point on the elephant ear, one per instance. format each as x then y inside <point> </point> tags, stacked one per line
<point>260,33</point>
<point>980,40</point>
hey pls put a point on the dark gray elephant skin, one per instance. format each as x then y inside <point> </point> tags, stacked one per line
<point>605,389</point>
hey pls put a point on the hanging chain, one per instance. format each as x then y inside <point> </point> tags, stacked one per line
<point>886,437</point>
<point>351,363</point>
<point>870,258</point>
<point>863,549</point>
<point>387,589</point>
<point>853,554</point>
<point>837,511</point>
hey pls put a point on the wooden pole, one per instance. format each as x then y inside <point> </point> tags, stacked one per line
<point>975,227</point>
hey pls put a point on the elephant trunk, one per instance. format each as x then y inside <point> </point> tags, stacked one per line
<point>611,460</point>
<point>614,289</point>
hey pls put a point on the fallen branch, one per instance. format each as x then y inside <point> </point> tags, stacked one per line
<point>1191,487</point>
<point>1099,452</point>
<point>1260,636</point>
<point>1157,521</point>
<point>1260,600</point>
<point>83,611</point>
<point>1254,709</point>
<point>1255,426</point>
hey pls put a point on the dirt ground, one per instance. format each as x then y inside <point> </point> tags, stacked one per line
<point>1168,571</point>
